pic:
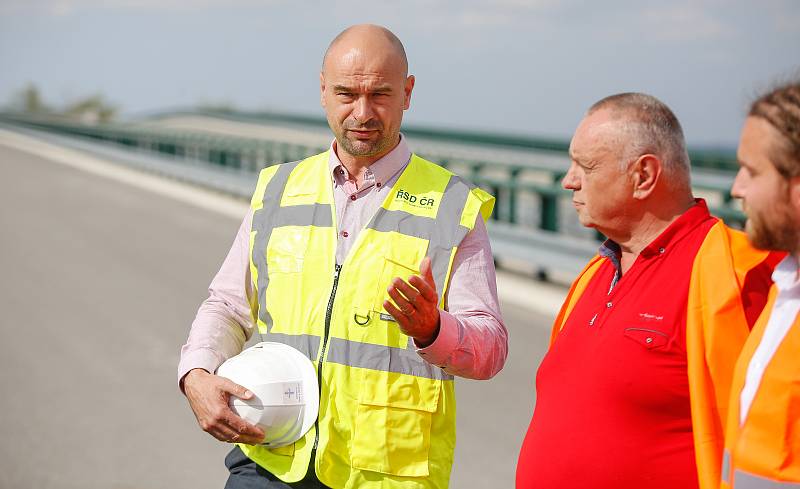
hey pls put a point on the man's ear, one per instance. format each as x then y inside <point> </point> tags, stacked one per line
<point>646,172</point>
<point>322,89</point>
<point>407,88</point>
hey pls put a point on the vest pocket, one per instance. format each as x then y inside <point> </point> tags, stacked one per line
<point>286,451</point>
<point>286,249</point>
<point>393,424</point>
<point>402,267</point>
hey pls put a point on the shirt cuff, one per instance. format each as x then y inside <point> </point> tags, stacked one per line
<point>439,352</point>
<point>204,358</point>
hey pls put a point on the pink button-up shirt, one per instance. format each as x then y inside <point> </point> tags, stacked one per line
<point>472,340</point>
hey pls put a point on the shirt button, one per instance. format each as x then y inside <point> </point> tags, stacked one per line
<point>648,340</point>
<point>378,184</point>
<point>661,250</point>
<point>609,304</point>
<point>352,197</point>
<point>344,234</point>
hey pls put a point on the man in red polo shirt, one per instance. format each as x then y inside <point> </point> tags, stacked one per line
<point>634,388</point>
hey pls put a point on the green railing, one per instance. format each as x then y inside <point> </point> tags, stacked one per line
<point>528,191</point>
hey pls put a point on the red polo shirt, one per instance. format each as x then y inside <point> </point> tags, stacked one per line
<point>612,408</point>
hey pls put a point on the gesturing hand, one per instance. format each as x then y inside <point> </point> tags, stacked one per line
<point>208,397</point>
<point>416,309</point>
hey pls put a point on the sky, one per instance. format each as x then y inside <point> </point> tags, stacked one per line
<point>522,67</point>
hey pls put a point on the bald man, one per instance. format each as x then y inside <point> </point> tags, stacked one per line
<point>376,265</point>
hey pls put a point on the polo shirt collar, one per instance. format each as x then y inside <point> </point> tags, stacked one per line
<point>690,219</point>
<point>696,215</point>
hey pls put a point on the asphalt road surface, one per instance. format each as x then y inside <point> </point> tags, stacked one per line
<point>100,282</point>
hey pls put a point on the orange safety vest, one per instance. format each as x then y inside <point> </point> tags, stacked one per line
<point>716,329</point>
<point>764,452</point>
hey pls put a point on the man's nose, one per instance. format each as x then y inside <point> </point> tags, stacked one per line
<point>363,110</point>
<point>737,190</point>
<point>571,180</point>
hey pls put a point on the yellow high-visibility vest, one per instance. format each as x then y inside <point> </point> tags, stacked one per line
<point>386,417</point>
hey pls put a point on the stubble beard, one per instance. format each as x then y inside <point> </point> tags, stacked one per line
<point>357,147</point>
<point>364,148</point>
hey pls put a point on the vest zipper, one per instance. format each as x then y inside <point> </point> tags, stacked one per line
<point>328,314</point>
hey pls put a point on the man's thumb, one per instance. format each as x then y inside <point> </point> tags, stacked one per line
<point>237,390</point>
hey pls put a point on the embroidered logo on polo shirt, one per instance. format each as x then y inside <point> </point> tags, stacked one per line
<point>645,316</point>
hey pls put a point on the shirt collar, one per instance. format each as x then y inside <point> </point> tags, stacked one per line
<point>683,225</point>
<point>378,172</point>
<point>785,273</point>
<point>612,251</point>
<point>687,221</point>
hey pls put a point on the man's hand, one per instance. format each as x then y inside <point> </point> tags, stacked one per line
<point>208,397</point>
<point>417,310</point>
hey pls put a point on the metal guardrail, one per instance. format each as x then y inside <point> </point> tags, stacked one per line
<point>707,159</point>
<point>508,177</point>
<point>529,224</point>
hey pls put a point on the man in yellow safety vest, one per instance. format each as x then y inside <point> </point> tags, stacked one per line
<point>376,265</point>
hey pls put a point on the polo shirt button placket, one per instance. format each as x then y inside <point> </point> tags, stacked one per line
<point>594,319</point>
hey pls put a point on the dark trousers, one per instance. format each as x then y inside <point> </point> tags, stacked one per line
<point>246,474</point>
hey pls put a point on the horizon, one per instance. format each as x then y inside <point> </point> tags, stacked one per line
<point>479,66</point>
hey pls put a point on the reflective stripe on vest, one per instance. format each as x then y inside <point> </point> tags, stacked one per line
<point>307,344</point>
<point>726,467</point>
<point>744,480</point>
<point>380,357</point>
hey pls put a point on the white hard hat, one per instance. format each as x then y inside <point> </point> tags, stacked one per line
<point>283,381</point>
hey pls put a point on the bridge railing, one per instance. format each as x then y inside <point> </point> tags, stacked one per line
<point>532,207</point>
